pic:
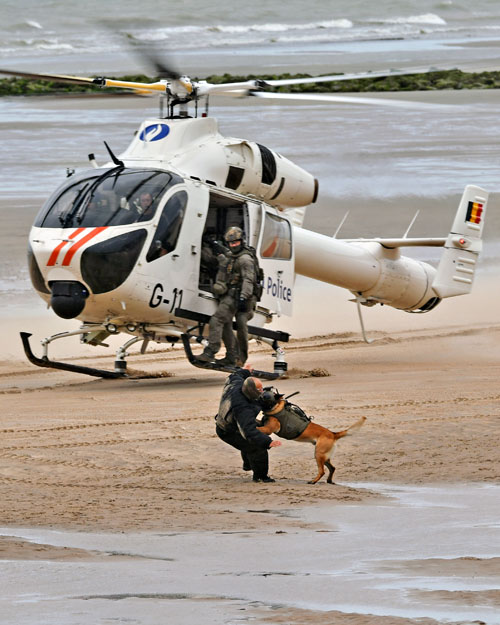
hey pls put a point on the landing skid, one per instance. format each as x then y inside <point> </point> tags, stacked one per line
<point>265,375</point>
<point>64,366</point>
<point>121,365</point>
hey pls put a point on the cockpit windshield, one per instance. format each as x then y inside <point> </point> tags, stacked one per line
<point>111,197</point>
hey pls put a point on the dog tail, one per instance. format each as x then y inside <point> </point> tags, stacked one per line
<point>352,428</point>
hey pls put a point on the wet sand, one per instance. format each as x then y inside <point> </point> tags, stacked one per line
<point>395,560</point>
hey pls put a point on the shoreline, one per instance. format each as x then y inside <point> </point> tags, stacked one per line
<point>387,569</point>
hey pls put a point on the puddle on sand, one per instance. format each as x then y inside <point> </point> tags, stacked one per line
<point>421,552</point>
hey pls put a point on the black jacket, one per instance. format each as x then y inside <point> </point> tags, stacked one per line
<point>237,413</point>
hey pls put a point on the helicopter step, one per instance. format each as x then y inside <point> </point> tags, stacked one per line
<point>269,336</point>
<point>54,364</point>
<point>263,333</point>
<point>265,375</point>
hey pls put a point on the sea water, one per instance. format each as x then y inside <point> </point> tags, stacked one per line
<point>222,36</point>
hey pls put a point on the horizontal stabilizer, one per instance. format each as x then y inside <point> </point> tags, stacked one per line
<point>457,266</point>
<point>403,242</point>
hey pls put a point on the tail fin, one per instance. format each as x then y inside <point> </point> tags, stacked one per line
<point>457,266</point>
<point>350,429</point>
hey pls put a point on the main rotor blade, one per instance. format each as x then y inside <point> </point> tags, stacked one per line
<point>141,87</point>
<point>353,76</point>
<point>164,70</point>
<point>318,97</point>
<point>151,53</point>
<point>54,77</point>
<point>229,88</point>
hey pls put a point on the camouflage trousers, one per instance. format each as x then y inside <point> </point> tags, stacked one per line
<point>221,329</point>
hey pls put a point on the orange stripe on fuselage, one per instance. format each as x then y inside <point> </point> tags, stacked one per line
<point>53,257</point>
<point>74,248</point>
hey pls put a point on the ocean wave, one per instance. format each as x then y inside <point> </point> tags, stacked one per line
<point>34,24</point>
<point>236,29</point>
<point>54,45</point>
<point>238,34</point>
<point>342,29</point>
<point>39,44</point>
<point>427,18</point>
<point>164,33</point>
<point>22,40</point>
<point>151,36</point>
<point>276,27</point>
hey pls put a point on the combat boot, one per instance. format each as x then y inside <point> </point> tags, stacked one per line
<point>206,356</point>
<point>228,360</point>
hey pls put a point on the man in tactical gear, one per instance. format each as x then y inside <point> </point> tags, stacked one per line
<point>235,288</point>
<point>236,423</point>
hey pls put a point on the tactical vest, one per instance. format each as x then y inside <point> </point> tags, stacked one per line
<point>224,416</point>
<point>293,420</point>
<point>234,278</point>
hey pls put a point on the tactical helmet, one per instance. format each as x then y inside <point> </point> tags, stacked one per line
<point>234,234</point>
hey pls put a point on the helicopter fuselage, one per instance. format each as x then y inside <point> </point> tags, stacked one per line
<point>97,255</point>
<point>132,246</point>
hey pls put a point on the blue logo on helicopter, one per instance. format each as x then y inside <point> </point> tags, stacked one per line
<point>155,132</point>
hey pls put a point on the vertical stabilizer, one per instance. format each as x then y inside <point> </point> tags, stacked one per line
<point>457,267</point>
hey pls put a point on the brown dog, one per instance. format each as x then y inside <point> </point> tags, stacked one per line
<point>278,421</point>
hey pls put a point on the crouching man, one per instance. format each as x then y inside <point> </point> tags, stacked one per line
<point>236,423</point>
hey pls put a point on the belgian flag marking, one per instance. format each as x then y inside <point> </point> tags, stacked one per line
<point>474,211</point>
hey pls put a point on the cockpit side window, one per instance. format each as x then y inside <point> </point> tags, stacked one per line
<point>117,197</point>
<point>169,226</point>
<point>276,238</point>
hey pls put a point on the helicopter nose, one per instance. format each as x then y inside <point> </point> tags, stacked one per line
<point>68,298</point>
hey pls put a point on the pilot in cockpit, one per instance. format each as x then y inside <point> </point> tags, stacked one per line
<point>145,206</point>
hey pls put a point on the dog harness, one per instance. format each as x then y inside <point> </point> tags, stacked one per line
<point>293,420</point>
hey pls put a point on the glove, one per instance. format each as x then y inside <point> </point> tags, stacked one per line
<point>242,305</point>
<point>223,261</point>
<point>218,247</point>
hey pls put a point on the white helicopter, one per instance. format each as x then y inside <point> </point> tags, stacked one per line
<point>120,247</point>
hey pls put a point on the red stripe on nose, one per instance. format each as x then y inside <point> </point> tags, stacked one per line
<point>53,257</point>
<point>74,248</point>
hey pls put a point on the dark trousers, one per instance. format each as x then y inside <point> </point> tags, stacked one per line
<point>257,457</point>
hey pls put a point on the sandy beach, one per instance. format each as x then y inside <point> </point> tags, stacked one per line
<point>142,454</point>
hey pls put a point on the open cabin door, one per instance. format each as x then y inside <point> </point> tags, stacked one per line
<point>223,212</point>
<point>276,255</point>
